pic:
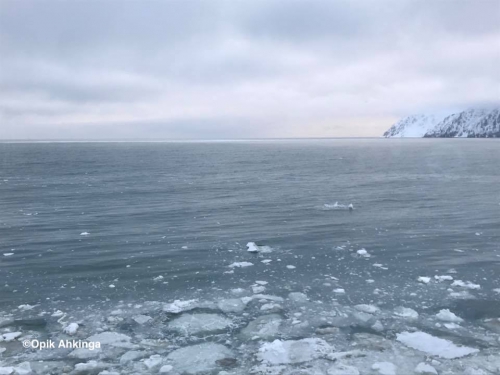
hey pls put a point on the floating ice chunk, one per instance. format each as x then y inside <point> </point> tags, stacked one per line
<point>290,267</point>
<point>57,314</point>
<point>341,369</point>
<point>6,370</point>
<point>266,261</point>
<point>363,253</point>
<point>447,316</point>
<point>235,305</point>
<point>298,297</point>
<point>89,367</point>
<point>198,359</point>
<point>258,289</point>
<point>350,207</point>
<point>141,319</point>
<point>7,254</point>
<point>158,278</point>
<point>85,353</point>
<point>466,284</point>
<point>497,290</point>
<point>377,326</point>
<point>153,362</point>
<point>84,234</point>
<point>24,368</point>
<point>270,306</point>
<point>385,368</point>
<point>463,294</point>
<point>26,307</point>
<point>339,291</point>
<point>269,297</point>
<point>10,336</point>
<point>425,369</point>
<point>381,266</point>
<point>474,371</point>
<point>252,247</point>
<point>109,338</point>
<point>166,369</point>
<point>293,351</point>
<point>130,356</point>
<point>264,327</point>
<point>193,324</point>
<point>261,282</point>
<point>179,306</point>
<point>452,325</point>
<point>112,286</point>
<point>424,279</point>
<point>240,264</point>
<point>434,345</point>
<point>443,278</point>
<point>405,312</point>
<point>370,309</point>
<point>71,328</point>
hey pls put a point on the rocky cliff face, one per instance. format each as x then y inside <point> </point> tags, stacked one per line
<point>472,123</point>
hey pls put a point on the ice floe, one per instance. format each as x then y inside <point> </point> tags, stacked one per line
<point>432,345</point>
<point>240,264</point>
<point>293,351</point>
<point>194,324</point>
<point>447,316</point>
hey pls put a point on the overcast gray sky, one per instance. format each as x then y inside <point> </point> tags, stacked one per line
<point>238,69</point>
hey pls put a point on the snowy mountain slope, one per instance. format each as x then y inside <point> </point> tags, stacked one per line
<point>413,126</point>
<point>472,123</point>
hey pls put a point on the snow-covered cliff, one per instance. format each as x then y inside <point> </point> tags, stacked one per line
<point>472,123</point>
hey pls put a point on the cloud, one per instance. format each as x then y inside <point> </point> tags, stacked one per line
<point>223,69</point>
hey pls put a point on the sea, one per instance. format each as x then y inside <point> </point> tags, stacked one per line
<point>385,249</point>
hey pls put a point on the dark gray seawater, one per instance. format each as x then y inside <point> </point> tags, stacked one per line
<point>176,209</point>
<point>106,231</point>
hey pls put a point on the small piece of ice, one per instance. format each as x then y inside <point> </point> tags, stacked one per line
<point>466,284</point>
<point>240,264</point>
<point>71,328</point>
<point>424,279</point>
<point>363,253</point>
<point>446,315</point>
<point>84,234</point>
<point>290,267</point>
<point>7,254</point>
<point>339,291</point>
<point>425,369</point>
<point>443,278</point>
<point>385,368</point>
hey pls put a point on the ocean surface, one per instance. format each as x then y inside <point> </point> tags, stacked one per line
<point>102,226</point>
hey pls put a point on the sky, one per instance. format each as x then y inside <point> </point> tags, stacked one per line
<point>240,69</point>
